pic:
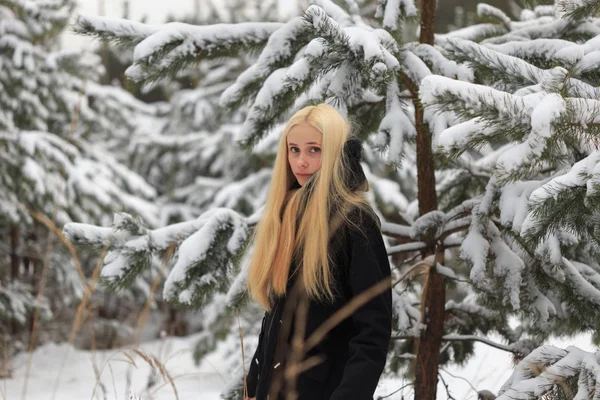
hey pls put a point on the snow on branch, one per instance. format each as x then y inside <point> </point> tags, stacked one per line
<point>486,11</point>
<point>395,126</point>
<point>475,33</point>
<point>281,48</point>
<point>204,258</point>
<point>578,9</point>
<point>482,56</point>
<point>164,50</point>
<point>392,11</point>
<point>357,58</point>
<point>114,30</point>
<point>548,368</point>
<point>206,249</point>
<point>471,101</point>
<point>439,63</point>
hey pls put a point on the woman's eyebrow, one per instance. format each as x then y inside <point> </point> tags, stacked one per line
<point>294,144</point>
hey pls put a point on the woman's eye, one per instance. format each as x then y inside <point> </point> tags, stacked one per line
<point>316,149</point>
<point>293,149</point>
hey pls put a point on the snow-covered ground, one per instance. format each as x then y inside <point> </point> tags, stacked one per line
<point>77,378</point>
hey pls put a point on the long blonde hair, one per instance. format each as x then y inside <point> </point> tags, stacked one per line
<point>295,223</point>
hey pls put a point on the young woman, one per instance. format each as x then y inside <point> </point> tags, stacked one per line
<point>317,247</point>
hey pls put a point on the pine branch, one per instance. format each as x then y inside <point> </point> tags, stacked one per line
<point>576,10</point>
<point>178,46</point>
<point>116,31</point>
<point>280,50</point>
<point>547,367</point>
<point>509,69</point>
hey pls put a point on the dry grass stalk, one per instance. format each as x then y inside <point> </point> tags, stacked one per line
<point>297,353</point>
<point>5,369</point>
<point>36,315</point>
<point>166,376</point>
<point>79,316</point>
<point>112,376</point>
<point>155,282</point>
<point>97,372</point>
<point>78,108</point>
<point>143,356</point>
<point>300,348</point>
<point>48,223</point>
<point>354,304</point>
<point>130,358</point>
<point>245,391</point>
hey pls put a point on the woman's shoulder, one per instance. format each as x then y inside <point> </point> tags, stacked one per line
<point>363,220</point>
<point>363,214</point>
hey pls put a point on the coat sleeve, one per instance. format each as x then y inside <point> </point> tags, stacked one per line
<point>373,321</point>
<point>252,377</point>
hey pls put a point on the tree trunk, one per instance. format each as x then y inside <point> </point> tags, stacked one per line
<point>14,253</point>
<point>434,290</point>
<point>15,265</point>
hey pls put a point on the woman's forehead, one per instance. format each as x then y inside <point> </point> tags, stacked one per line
<point>304,134</point>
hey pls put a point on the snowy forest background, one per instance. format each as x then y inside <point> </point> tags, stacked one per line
<point>133,170</point>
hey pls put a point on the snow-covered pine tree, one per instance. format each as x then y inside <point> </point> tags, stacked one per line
<point>332,54</point>
<point>529,124</point>
<point>59,162</point>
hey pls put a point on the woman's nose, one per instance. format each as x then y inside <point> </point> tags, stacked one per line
<point>302,162</point>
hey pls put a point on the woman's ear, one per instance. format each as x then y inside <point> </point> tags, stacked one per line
<point>354,175</point>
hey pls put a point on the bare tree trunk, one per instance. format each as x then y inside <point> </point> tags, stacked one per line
<point>15,263</point>
<point>434,290</point>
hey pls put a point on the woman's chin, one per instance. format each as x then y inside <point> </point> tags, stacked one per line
<point>301,180</point>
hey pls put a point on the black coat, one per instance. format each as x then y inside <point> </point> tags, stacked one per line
<point>354,351</point>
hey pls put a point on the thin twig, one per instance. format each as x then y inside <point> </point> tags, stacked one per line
<point>393,393</point>
<point>466,338</point>
<point>460,377</point>
<point>447,388</point>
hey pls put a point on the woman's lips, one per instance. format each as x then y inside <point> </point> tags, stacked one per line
<point>303,174</point>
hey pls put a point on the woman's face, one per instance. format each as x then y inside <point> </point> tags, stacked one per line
<point>304,151</point>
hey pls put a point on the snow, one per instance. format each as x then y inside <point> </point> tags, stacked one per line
<point>510,266</point>
<point>440,64</point>
<point>395,126</point>
<point>118,26</point>
<point>334,11</point>
<point>63,372</point>
<point>530,378</point>
<point>551,109</point>
<point>203,36</point>
<point>581,287</point>
<point>485,10</point>
<point>69,372</point>
<point>370,45</point>
<point>474,32</point>
<point>279,46</point>
<point>193,250</point>
<point>414,67</point>
<point>576,176</point>
<point>475,248</point>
